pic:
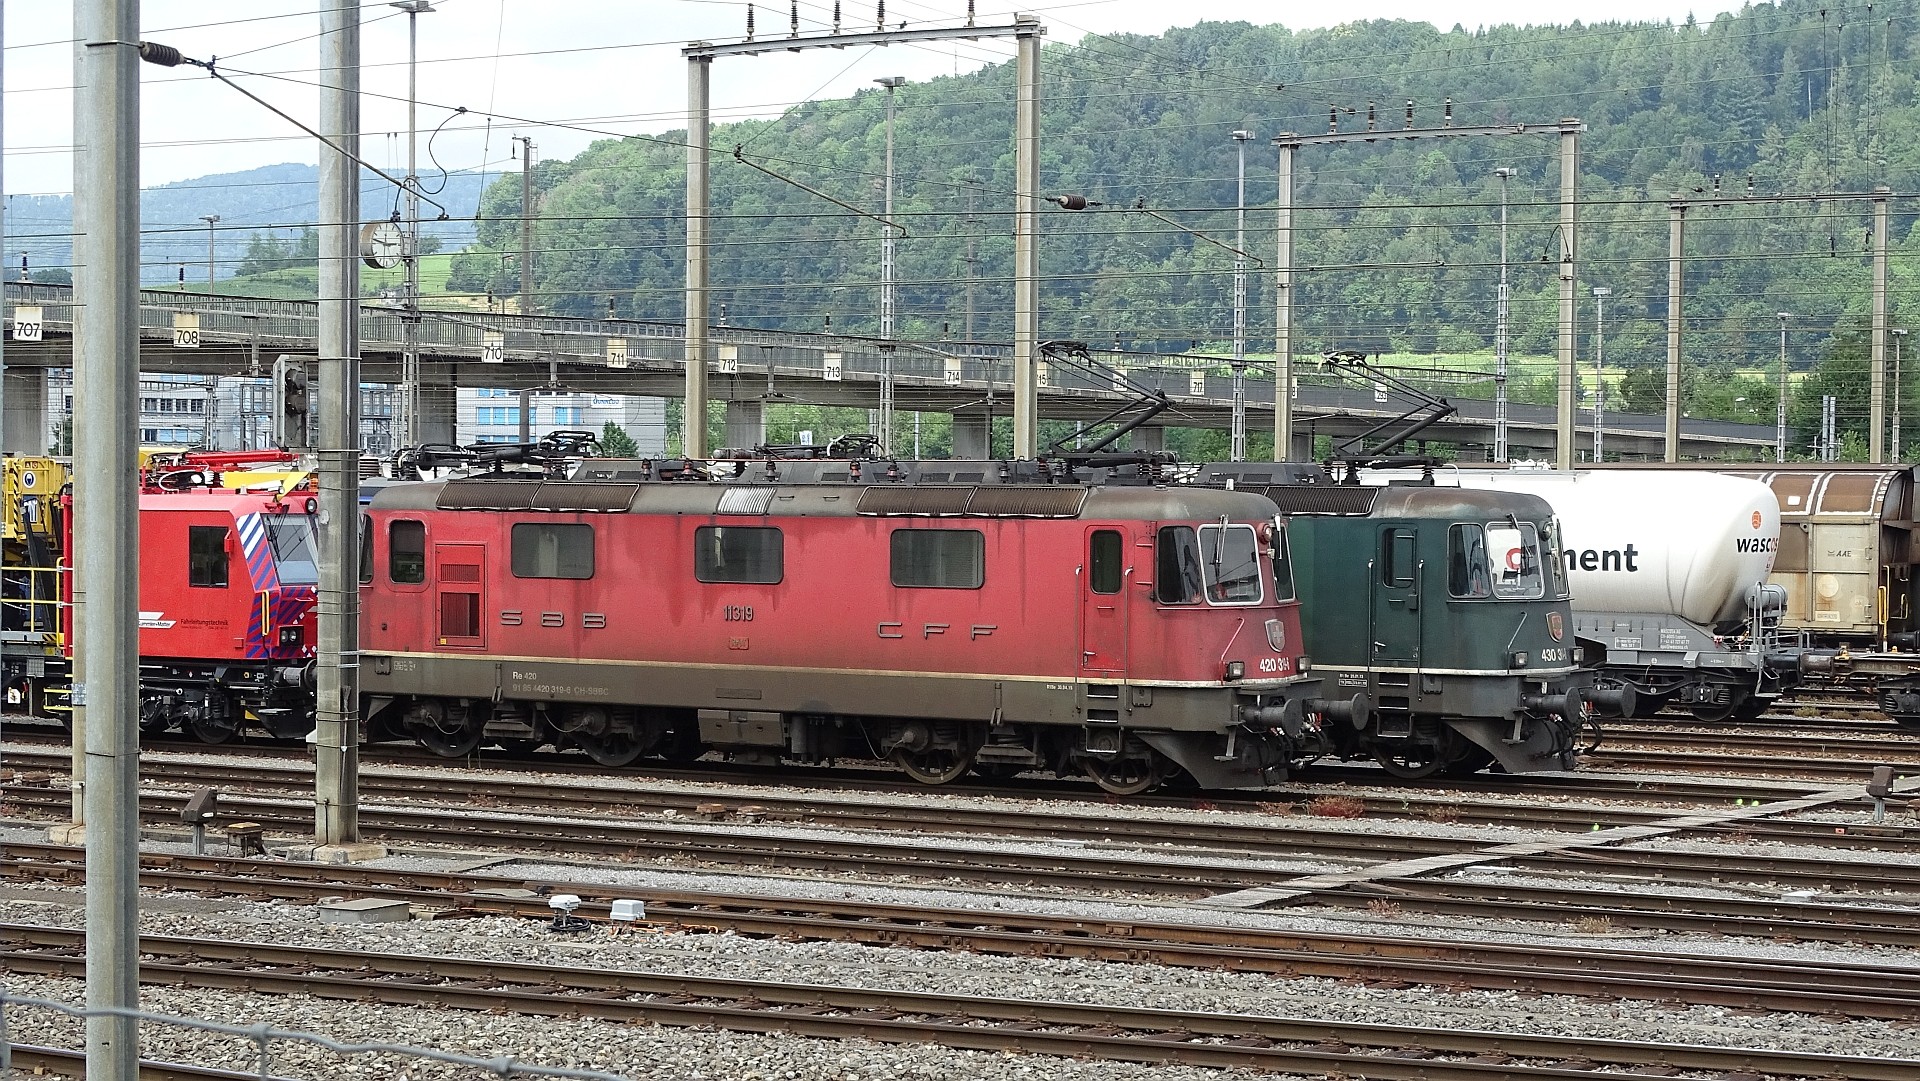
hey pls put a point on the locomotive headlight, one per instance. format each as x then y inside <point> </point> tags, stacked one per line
<point>1519,659</point>
<point>1303,664</point>
<point>1579,655</point>
<point>1235,670</point>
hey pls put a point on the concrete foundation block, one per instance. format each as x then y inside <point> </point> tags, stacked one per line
<point>366,910</point>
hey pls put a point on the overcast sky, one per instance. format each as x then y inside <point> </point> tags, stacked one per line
<point>611,66</point>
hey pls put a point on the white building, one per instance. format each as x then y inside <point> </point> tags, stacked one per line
<point>492,415</point>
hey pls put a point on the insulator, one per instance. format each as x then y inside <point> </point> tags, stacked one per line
<point>1370,116</point>
<point>880,15</point>
<point>1072,202</point>
<point>969,12</point>
<point>1447,122</point>
<point>749,22</point>
<point>793,19</point>
<point>836,16</point>
<point>1333,118</point>
<point>165,56</point>
<point>1409,114</point>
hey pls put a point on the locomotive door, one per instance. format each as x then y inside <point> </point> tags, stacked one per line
<point>1103,611</point>
<point>460,577</point>
<point>1395,615</point>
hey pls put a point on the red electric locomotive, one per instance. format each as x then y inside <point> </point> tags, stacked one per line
<point>227,594</point>
<point>944,616</point>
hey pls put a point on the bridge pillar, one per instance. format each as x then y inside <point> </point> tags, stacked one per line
<point>28,423</point>
<point>970,437</point>
<point>439,404</point>
<point>1148,438</point>
<point>746,425</point>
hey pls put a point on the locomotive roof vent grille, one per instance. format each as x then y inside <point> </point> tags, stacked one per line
<point>577,495</point>
<point>746,500</point>
<point>1321,499</point>
<point>916,500</point>
<point>487,494</point>
<point>1028,502</point>
<point>992,502</point>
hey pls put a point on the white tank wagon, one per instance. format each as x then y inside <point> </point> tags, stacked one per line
<point>1669,572</point>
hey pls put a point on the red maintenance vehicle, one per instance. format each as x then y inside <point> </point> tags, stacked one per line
<point>228,585</point>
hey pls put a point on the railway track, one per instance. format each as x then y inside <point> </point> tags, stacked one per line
<point>599,796</point>
<point>1381,868</point>
<point>1884,992</point>
<point>1111,1033</point>
<point>1405,797</point>
<point>61,1062</point>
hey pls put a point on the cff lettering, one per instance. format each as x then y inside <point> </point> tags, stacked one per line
<point>1612,559</point>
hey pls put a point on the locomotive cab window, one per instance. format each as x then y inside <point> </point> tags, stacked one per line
<point>1230,557</point>
<point>939,558</point>
<point>754,555</point>
<point>207,556</point>
<point>406,551</point>
<point>292,538</point>
<point>1103,561</point>
<point>1514,551</point>
<point>552,550</point>
<point>366,549</point>
<point>1282,566</point>
<point>1176,565</point>
<point>1468,575</point>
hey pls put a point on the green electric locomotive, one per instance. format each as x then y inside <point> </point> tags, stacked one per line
<point>1446,611</point>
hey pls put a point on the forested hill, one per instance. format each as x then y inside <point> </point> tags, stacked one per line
<point>1400,244</point>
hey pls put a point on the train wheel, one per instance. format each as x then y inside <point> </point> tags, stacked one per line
<point>936,765</point>
<point>1411,763</point>
<point>447,733</point>
<point>456,744</point>
<point>1471,761</point>
<point>214,730</point>
<point>611,749</point>
<point>1719,714</point>
<point>1125,776</point>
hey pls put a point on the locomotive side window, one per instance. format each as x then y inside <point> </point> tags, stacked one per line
<point>939,558</point>
<point>366,549</point>
<point>207,556</point>
<point>406,551</point>
<point>1282,566</point>
<point>1103,561</point>
<point>1231,558</point>
<point>754,555</point>
<point>1176,563</point>
<point>1556,563</point>
<point>552,550</point>
<point>1467,572</point>
<point>1515,555</point>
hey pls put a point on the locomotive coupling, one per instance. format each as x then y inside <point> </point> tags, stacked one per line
<point>1291,716</point>
<point>300,675</point>
<point>1571,706</point>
